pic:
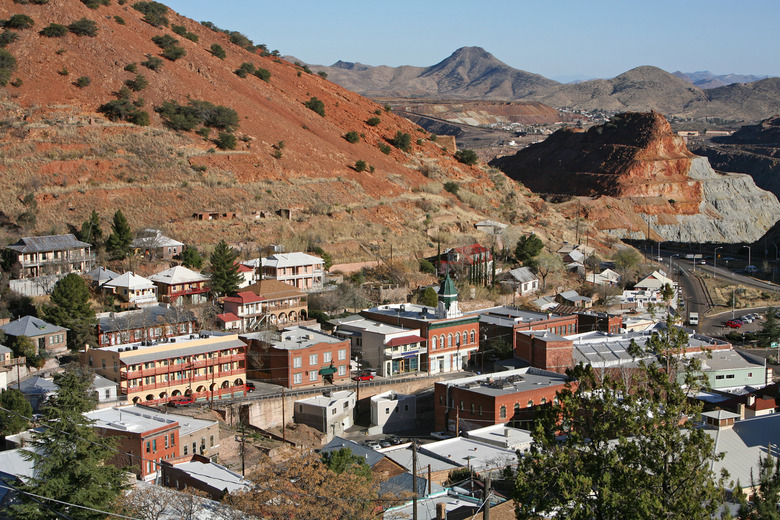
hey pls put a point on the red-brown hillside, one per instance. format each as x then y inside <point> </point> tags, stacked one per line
<point>56,145</point>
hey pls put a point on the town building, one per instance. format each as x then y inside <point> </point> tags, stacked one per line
<point>573,299</point>
<point>391,350</point>
<point>503,436</point>
<point>392,412</point>
<point>6,355</point>
<point>734,371</point>
<point>265,304</point>
<point>153,373</point>
<point>298,357</point>
<point>149,324</point>
<point>330,413</point>
<point>248,275</point>
<point>382,467</point>
<point>151,243</point>
<point>606,277</point>
<point>472,262</point>
<point>37,389</point>
<point>502,397</point>
<point>503,323</point>
<point>655,281</point>
<point>101,275</point>
<point>589,321</point>
<point>132,290</point>
<point>303,271</point>
<point>48,338</point>
<point>181,286</point>
<point>198,472</point>
<point>50,255</point>
<point>467,453</point>
<point>146,437</point>
<point>451,337</point>
<point>521,281</point>
<point>437,469</point>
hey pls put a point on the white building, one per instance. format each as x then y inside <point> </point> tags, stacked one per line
<point>330,413</point>
<point>503,436</point>
<point>133,289</point>
<point>392,412</point>
<point>300,270</point>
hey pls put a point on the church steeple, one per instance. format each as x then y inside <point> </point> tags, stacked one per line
<point>448,300</point>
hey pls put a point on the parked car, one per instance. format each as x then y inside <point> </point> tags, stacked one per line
<point>363,376</point>
<point>250,386</point>
<point>733,324</point>
<point>751,269</point>
<point>394,439</point>
<point>374,445</point>
<point>442,435</point>
<point>181,401</point>
<point>385,443</point>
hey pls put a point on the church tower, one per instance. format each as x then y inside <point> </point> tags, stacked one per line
<point>448,300</point>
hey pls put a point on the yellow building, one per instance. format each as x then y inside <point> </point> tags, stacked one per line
<point>154,373</point>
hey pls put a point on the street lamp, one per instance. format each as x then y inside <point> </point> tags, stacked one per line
<point>749,262</point>
<point>715,260</point>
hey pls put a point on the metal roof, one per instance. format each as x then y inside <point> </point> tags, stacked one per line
<point>372,457</point>
<point>142,418</point>
<point>48,243</point>
<point>291,260</point>
<point>31,327</point>
<point>178,274</point>
<point>187,348</point>
<point>146,317</point>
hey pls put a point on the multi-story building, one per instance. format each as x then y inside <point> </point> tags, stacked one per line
<point>50,255</point>
<point>153,323</point>
<point>503,397</point>
<point>132,290</point>
<point>51,339</point>
<point>298,357</point>
<point>146,437</point>
<point>152,373</point>
<point>330,413</point>
<point>300,270</point>
<point>393,412</point>
<point>267,303</point>
<point>181,286</point>
<point>452,338</point>
<point>151,243</point>
<point>391,350</point>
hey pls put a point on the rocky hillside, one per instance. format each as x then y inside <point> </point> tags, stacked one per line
<point>706,79</point>
<point>472,73</point>
<point>348,188</point>
<point>639,178</point>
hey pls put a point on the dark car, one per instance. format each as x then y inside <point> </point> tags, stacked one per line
<point>363,376</point>
<point>250,386</point>
<point>733,324</point>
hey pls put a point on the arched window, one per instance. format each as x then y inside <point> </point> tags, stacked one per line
<point>555,400</point>
<point>465,337</point>
<point>449,340</point>
<point>530,403</point>
<point>433,343</point>
<point>472,336</point>
<point>544,400</point>
<point>502,412</point>
<point>442,341</point>
<point>457,339</point>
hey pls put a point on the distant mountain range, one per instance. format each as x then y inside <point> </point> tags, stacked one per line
<point>706,79</point>
<point>475,74</point>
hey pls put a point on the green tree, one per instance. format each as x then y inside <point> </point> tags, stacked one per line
<point>429,297</point>
<point>402,141</point>
<point>7,66</point>
<point>15,419</point>
<point>91,231</point>
<point>763,505</point>
<point>527,248</point>
<point>373,121</point>
<point>70,308</point>
<point>467,157</point>
<point>218,51</point>
<point>83,82</point>
<point>343,460</point>
<point>23,346</point>
<point>191,258</point>
<point>69,457</point>
<point>263,74</point>
<point>770,330</point>
<point>19,21</point>
<point>118,243</point>
<point>623,437</point>
<point>83,27</point>
<point>626,259</point>
<point>224,270</point>
<point>426,266</point>
<point>316,105</point>
<point>360,165</point>
<point>54,30</point>
<point>352,137</point>
<point>326,258</point>
<point>547,264</point>
<point>451,187</point>
<point>226,141</point>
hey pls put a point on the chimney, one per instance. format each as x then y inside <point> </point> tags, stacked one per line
<point>741,410</point>
<point>751,400</point>
<point>441,511</point>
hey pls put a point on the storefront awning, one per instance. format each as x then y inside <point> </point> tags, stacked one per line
<point>404,340</point>
<point>327,371</point>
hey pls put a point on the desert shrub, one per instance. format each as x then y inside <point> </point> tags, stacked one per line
<point>124,93</point>
<point>467,157</point>
<point>248,67</point>
<point>173,53</point>
<point>323,74</point>
<point>83,81</point>
<point>218,51</point>
<point>402,141</point>
<point>182,31</point>
<point>119,20</point>
<point>226,141</point>
<point>17,82</point>
<point>187,117</point>
<point>139,102</point>
<point>34,2</point>
<point>139,117</point>
<point>131,67</point>
<point>241,73</point>
<point>203,132</point>
<point>83,27</point>
<point>433,187</point>
<point>152,63</point>
<point>19,21</point>
<point>434,137</point>
<point>154,13</point>
<point>360,165</point>
<point>352,137</point>
<point>138,83</point>
<point>7,38</point>
<point>472,199</point>
<point>94,4</point>
<point>420,142</point>
<point>263,74</point>
<point>426,266</point>
<point>316,105</point>
<point>54,30</point>
<point>164,41</point>
<point>63,71</point>
<point>385,149</point>
<point>451,187</point>
<point>123,110</point>
<point>373,121</point>
<point>387,107</point>
<point>239,39</point>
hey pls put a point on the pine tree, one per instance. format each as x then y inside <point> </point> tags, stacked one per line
<point>763,505</point>
<point>91,231</point>
<point>118,243</point>
<point>69,457</point>
<point>527,248</point>
<point>191,258</point>
<point>770,331</point>
<point>71,309</point>
<point>15,419</point>
<point>224,270</point>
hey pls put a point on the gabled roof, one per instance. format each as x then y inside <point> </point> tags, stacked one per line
<point>130,281</point>
<point>155,239</point>
<point>228,317</point>
<point>291,259</point>
<point>101,275</point>
<point>146,317</point>
<point>5,350</point>
<point>31,327</point>
<point>38,385</point>
<point>573,296</point>
<point>274,289</point>
<point>178,274</point>
<point>244,268</point>
<point>523,274</point>
<point>244,297</point>
<point>48,243</point>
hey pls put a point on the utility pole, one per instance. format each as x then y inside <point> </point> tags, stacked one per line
<point>243,451</point>
<point>487,498</point>
<point>284,435</point>
<point>457,418</point>
<point>414,479</point>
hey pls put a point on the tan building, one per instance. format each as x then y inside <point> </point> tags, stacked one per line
<point>50,255</point>
<point>300,270</point>
<point>268,302</point>
<point>204,368</point>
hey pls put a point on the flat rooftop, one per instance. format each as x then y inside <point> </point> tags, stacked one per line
<point>325,401</point>
<point>214,475</point>
<point>374,327</point>
<point>470,453</point>
<point>137,353</point>
<point>296,338</point>
<point>509,381</point>
<point>139,419</point>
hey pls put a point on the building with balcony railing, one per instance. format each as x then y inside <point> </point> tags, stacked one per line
<point>152,372</point>
<point>267,303</point>
<point>300,270</point>
<point>132,290</point>
<point>51,255</point>
<point>153,323</point>
<point>180,286</point>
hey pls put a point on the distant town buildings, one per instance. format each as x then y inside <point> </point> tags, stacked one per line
<point>301,270</point>
<point>48,338</point>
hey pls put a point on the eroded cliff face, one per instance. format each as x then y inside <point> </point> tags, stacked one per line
<point>641,181</point>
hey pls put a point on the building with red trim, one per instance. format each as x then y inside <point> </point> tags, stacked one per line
<point>472,262</point>
<point>179,286</point>
<point>268,302</point>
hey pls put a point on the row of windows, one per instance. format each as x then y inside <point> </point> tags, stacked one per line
<point>477,410</point>
<point>456,339</point>
<point>731,376</point>
<point>563,330</point>
<point>169,440</point>
<point>56,338</point>
<point>314,375</point>
<point>327,357</point>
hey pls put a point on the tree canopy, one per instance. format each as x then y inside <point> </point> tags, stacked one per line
<point>191,258</point>
<point>91,231</point>
<point>118,243</point>
<point>528,247</point>
<point>15,419</point>
<point>70,308</point>
<point>225,278</point>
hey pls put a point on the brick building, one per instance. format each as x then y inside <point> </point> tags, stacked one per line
<point>155,323</point>
<point>301,270</point>
<point>298,357</point>
<point>503,397</point>
<point>544,349</point>
<point>268,302</point>
<point>51,339</point>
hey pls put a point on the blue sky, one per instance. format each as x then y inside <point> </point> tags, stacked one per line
<point>562,40</point>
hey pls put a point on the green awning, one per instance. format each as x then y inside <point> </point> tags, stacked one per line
<point>327,371</point>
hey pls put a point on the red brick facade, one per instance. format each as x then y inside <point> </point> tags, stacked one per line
<point>300,367</point>
<point>142,451</point>
<point>544,350</point>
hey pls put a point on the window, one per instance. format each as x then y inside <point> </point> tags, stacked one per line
<point>104,363</point>
<point>297,378</point>
<point>472,408</point>
<point>729,376</point>
<point>442,344</point>
<point>313,359</point>
<point>750,374</point>
<point>108,393</point>
<point>173,440</point>
<point>297,362</point>
<point>517,407</point>
<point>327,357</point>
<point>300,408</point>
<point>502,412</point>
<point>154,445</point>
<point>342,354</point>
<point>406,408</point>
<point>343,370</point>
<point>148,447</point>
<point>166,441</point>
<point>387,410</point>
<point>544,400</point>
<point>211,441</point>
<point>433,343</point>
<point>313,375</point>
<point>461,406</point>
<point>480,410</point>
<point>333,411</point>
<point>186,449</point>
<point>720,377</point>
<point>465,338</point>
<point>449,340</point>
<point>530,403</point>
<point>472,337</point>
<point>116,366</point>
